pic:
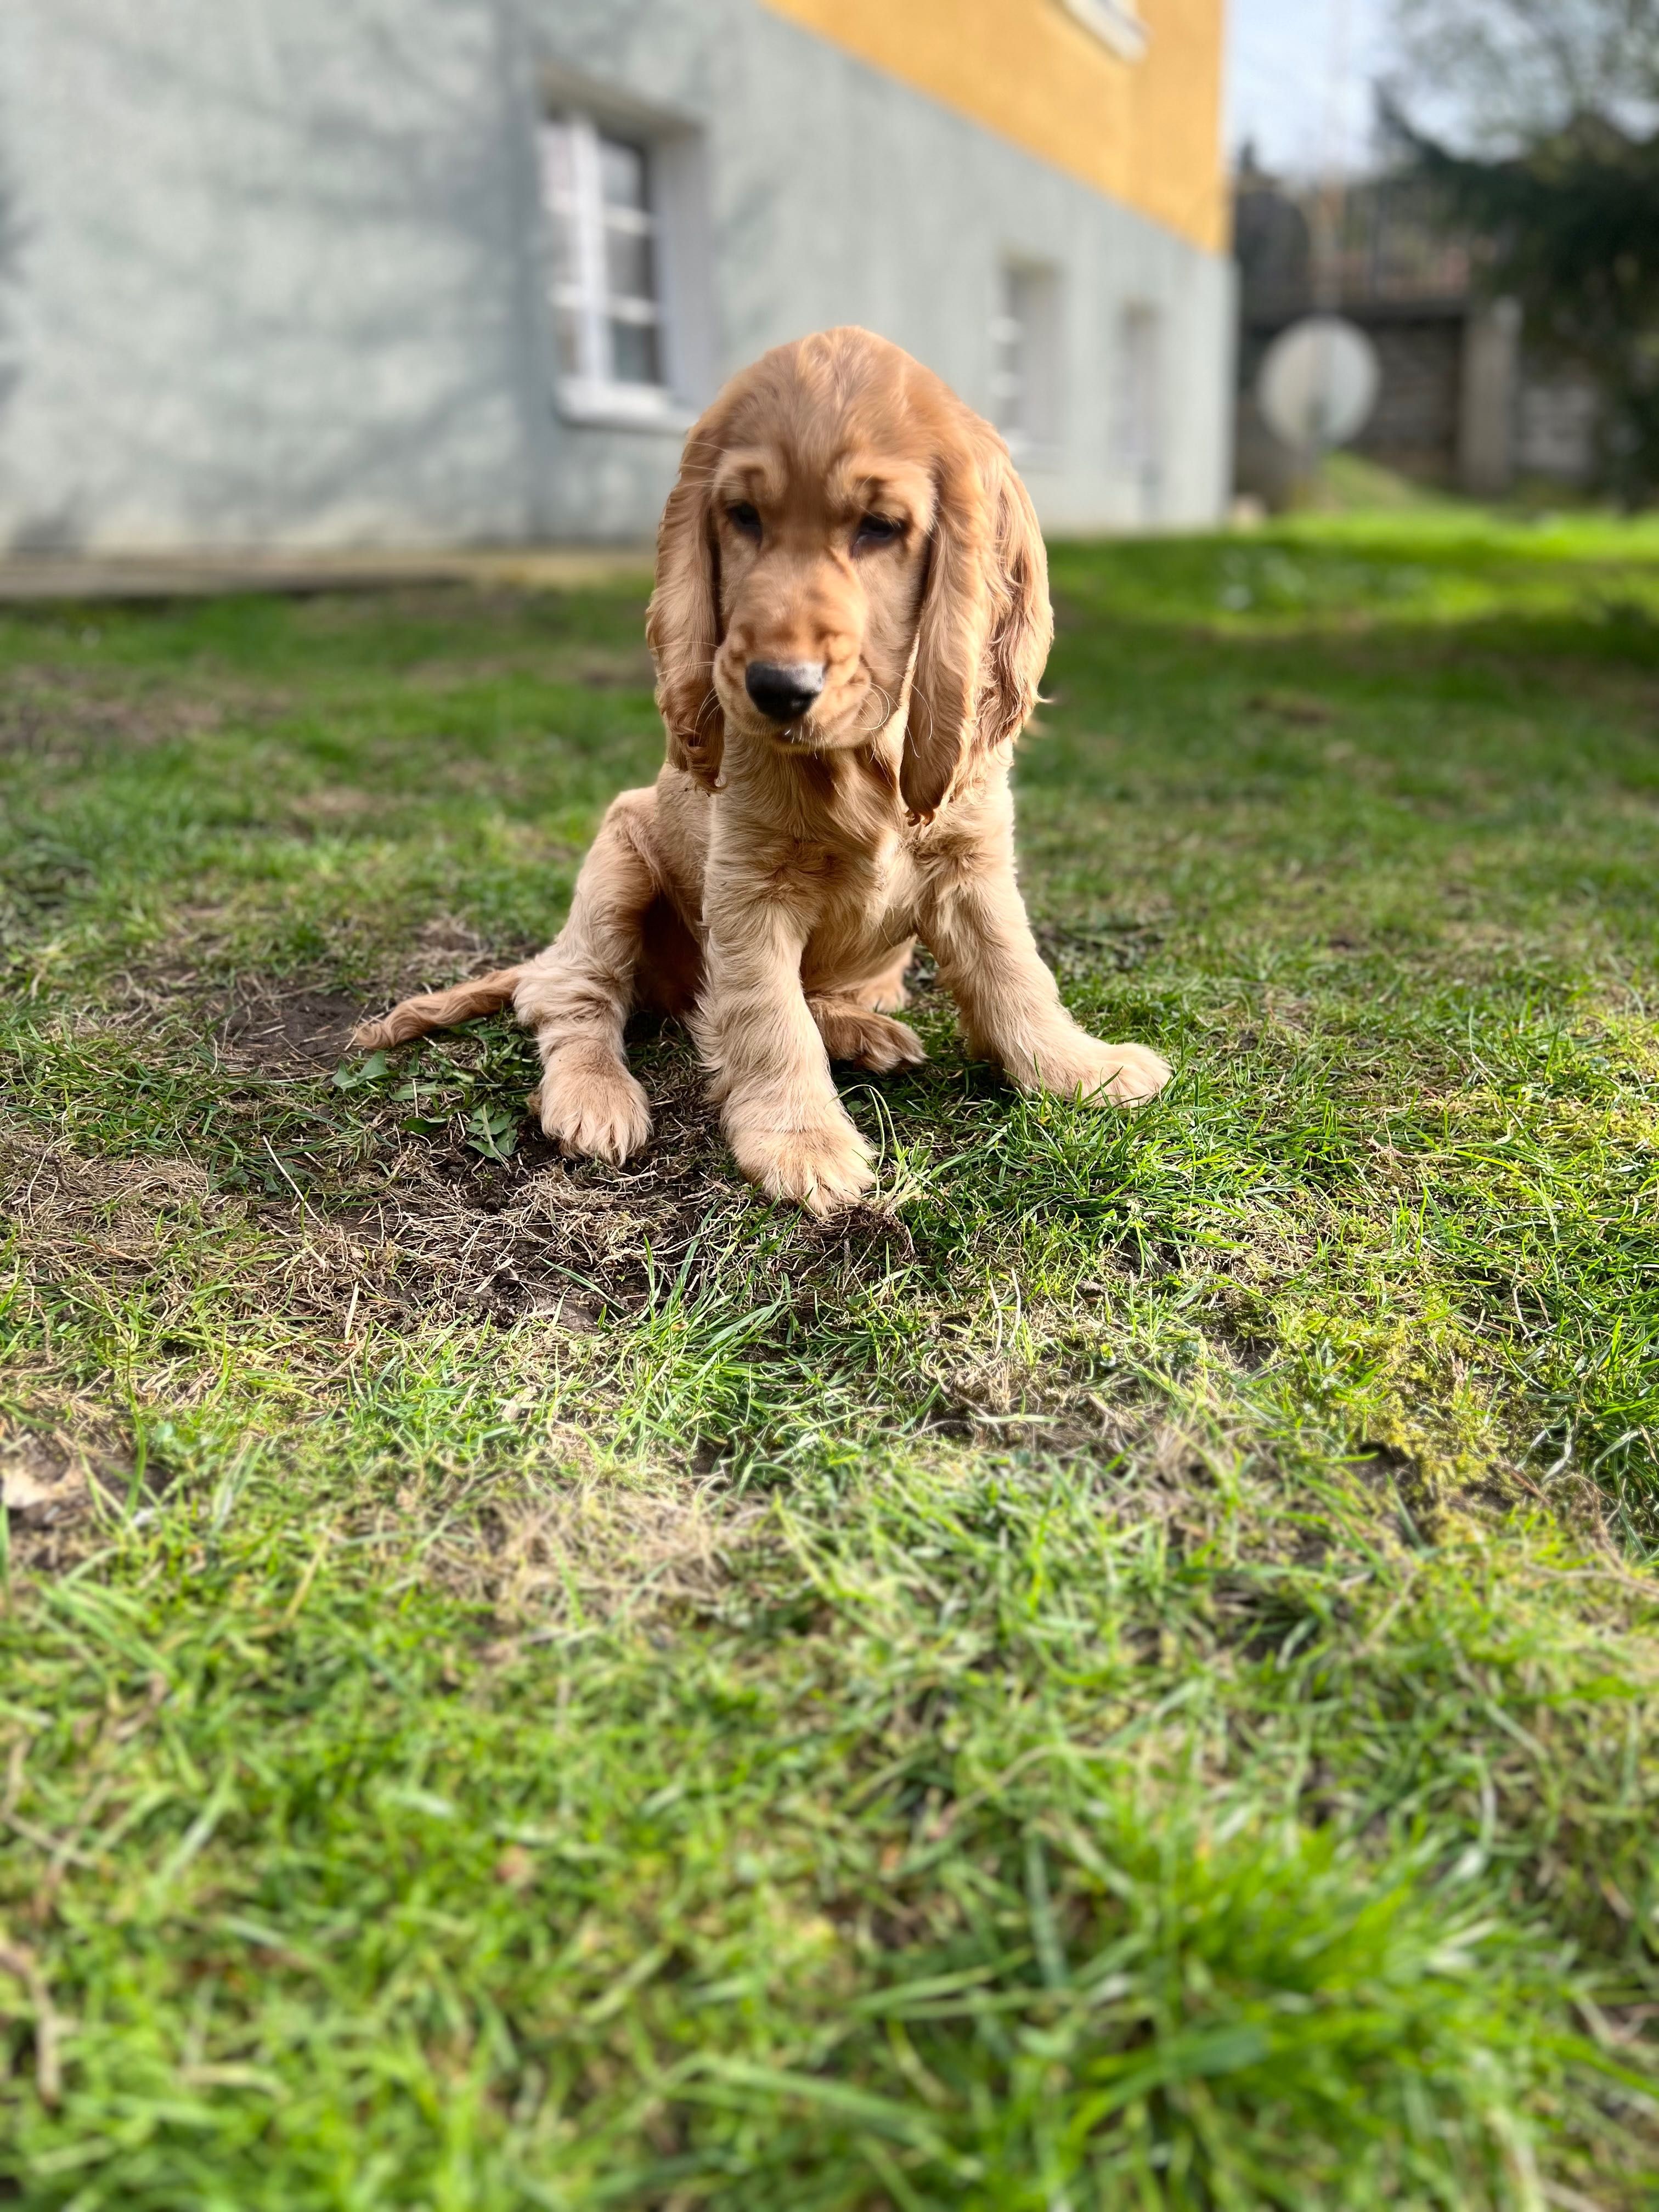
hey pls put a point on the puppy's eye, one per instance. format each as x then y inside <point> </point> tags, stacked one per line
<point>742,516</point>
<point>878,530</point>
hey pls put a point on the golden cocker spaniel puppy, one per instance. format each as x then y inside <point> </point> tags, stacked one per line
<point>850,619</point>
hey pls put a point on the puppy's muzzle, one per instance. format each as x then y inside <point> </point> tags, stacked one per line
<point>783,691</point>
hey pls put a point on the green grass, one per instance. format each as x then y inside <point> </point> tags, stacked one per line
<point>1121,1676</point>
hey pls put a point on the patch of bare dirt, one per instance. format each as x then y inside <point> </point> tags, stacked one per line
<point>1299,709</point>
<point>431,1229</point>
<point>608,1549</point>
<point>279,1031</point>
<point>49,1485</point>
<point>52,713</point>
<point>41,1478</point>
<point>539,1236</point>
<point>446,1236</point>
<point>632,670</point>
<point>283,1026</point>
<point>334,803</point>
<point>1076,950</point>
<point>596,668</point>
<point>446,949</point>
<point>450,947</point>
<point>440,1233</point>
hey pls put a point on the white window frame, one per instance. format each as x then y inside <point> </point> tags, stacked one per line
<point>1026,399</point>
<point>593,393</point>
<point>1141,424</point>
<point>1115,23</point>
<point>1007,386</point>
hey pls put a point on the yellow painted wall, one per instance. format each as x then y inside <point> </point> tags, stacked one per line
<point>1148,132</point>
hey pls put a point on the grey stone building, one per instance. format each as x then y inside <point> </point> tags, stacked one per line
<point>324,273</point>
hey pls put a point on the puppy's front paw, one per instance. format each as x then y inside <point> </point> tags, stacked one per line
<point>823,1167</point>
<point>592,1106</point>
<point>869,1040</point>
<point>1102,1074</point>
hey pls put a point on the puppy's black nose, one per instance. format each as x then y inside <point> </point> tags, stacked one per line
<point>783,692</point>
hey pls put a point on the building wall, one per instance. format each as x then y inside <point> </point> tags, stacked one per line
<point>264,287</point>
<point>1147,132</point>
<point>277,273</point>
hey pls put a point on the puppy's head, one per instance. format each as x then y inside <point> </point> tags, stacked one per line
<point>847,541</point>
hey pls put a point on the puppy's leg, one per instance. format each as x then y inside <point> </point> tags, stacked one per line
<point>974,919</point>
<point>577,995</point>
<point>788,1130</point>
<point>852,1030</point>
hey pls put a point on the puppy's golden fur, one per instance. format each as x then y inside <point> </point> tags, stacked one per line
<point>838,509</point>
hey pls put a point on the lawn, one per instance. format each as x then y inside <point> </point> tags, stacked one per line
<point>1121,1674</point>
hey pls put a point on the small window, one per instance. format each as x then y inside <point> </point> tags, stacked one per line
<point>1025,357</point>
<point>1115,23</point>
<point>1138,429</point>
<point>606,293</point>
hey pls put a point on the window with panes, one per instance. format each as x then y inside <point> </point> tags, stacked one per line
<point>606,300</point>
<point>1025,341</point>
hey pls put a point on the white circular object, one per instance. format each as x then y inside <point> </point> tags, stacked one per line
<point>1318,382</point>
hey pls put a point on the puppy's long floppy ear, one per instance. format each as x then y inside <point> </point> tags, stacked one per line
<point>952,632</point>
<point>682,623</point>
<point>1022,619</point>
<point>985,627</point>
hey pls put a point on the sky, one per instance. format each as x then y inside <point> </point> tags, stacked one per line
<point>1283,58</point>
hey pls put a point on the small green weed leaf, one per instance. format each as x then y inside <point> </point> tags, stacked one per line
<point>348,1077</point>
<point>493,1131</point>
